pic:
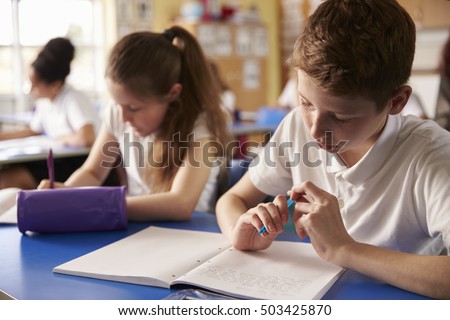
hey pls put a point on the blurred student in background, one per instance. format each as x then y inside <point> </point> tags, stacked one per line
<point>414,107</point>
<point>62,113</point>
<point>166,124</point>
<point>288,98</point>
<point>228,97</point>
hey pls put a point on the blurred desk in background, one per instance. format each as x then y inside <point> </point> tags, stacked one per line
<point>23,118</point>
<point>265,120</point>
<point>252,135</point>
<point>34,149</point>
<point>246,128</point>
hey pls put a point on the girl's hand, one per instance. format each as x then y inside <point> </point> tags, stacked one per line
<point>45,184</point>
<point>272,215</point>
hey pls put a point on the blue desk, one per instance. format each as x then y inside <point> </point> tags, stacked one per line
<point>26,264</point>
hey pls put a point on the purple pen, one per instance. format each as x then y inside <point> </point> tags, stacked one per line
<point>51,168</point>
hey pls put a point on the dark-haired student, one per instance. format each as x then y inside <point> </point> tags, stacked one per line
<point>62,113</point>
<point>372,191</point>
<point>165,123</point>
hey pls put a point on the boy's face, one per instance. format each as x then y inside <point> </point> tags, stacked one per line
<point>333,121</point>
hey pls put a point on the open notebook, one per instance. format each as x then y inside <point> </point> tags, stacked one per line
<point>8,205</point>
<point>165,257</point>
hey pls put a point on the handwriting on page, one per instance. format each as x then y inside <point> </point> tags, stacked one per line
<point>285,270</point>
<point>244,281</point>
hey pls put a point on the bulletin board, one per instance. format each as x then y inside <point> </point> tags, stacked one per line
<point>133,15</point>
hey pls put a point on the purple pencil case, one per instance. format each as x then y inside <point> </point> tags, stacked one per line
<point>80,209</point>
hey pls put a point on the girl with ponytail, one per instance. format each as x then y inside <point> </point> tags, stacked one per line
<point>165,126</point>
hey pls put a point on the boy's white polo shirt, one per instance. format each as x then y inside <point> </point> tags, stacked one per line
<point>396,196</point>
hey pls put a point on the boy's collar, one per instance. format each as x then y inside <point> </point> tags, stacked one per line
<point>374,158</point>
<point>335,164</point>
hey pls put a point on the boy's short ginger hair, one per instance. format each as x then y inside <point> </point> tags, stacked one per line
<point>357,48</point>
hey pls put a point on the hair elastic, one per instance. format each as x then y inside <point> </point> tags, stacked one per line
<point>169,34</point>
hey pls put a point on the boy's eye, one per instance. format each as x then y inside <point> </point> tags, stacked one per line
<point>132,109</point>
<point>341,119</point>
<point>305,104</point>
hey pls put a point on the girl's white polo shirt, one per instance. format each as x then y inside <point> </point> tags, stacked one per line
<point>135,151</point>
<point>68,113</point>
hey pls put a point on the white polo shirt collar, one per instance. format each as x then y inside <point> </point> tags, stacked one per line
<point>372,161</point>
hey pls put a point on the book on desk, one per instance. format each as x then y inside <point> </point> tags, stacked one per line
<point>166,257</point>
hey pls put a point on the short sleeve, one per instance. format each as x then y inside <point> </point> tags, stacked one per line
<point>201,130</point>
<point>112,120</point>
<point>36,123</point>
<point>81,111</point>
<point>432,193</point>
<point>268,171</point>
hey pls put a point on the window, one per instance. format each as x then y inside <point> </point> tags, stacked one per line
<point>28,24</point>
<point>6,41</point>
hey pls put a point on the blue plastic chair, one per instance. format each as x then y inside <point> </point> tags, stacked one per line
<point>238,167</point>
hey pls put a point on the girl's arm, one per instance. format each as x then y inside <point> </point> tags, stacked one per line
<point>84,137</point>
<point>23,133</point>
<point>179,202</point>
<point>97,166</point>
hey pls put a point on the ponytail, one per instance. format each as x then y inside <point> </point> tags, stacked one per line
<point>200,94</point>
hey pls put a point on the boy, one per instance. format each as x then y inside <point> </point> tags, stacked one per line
<point>371,186</point>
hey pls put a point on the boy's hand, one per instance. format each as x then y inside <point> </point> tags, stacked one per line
<point>320,219</point>
<point>45,184</point>
<point>272,215</point>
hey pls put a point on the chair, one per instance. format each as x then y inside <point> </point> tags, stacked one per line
<point>235,169</point>
<point>238,167</point>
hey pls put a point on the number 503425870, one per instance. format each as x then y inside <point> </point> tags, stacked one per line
<point>295,310</point>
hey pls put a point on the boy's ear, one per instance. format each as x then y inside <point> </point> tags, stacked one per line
<point>399,99</point>
<point>175,91</point>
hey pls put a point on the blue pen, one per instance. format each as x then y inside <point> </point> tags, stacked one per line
<point>290,204</point>
<point>51,169</point>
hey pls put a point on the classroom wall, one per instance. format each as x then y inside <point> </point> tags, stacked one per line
<point>165,11</point>
<point>430,15</point>
<point>429,41</point>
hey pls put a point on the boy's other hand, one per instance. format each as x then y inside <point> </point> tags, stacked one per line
<point>320,219</point>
